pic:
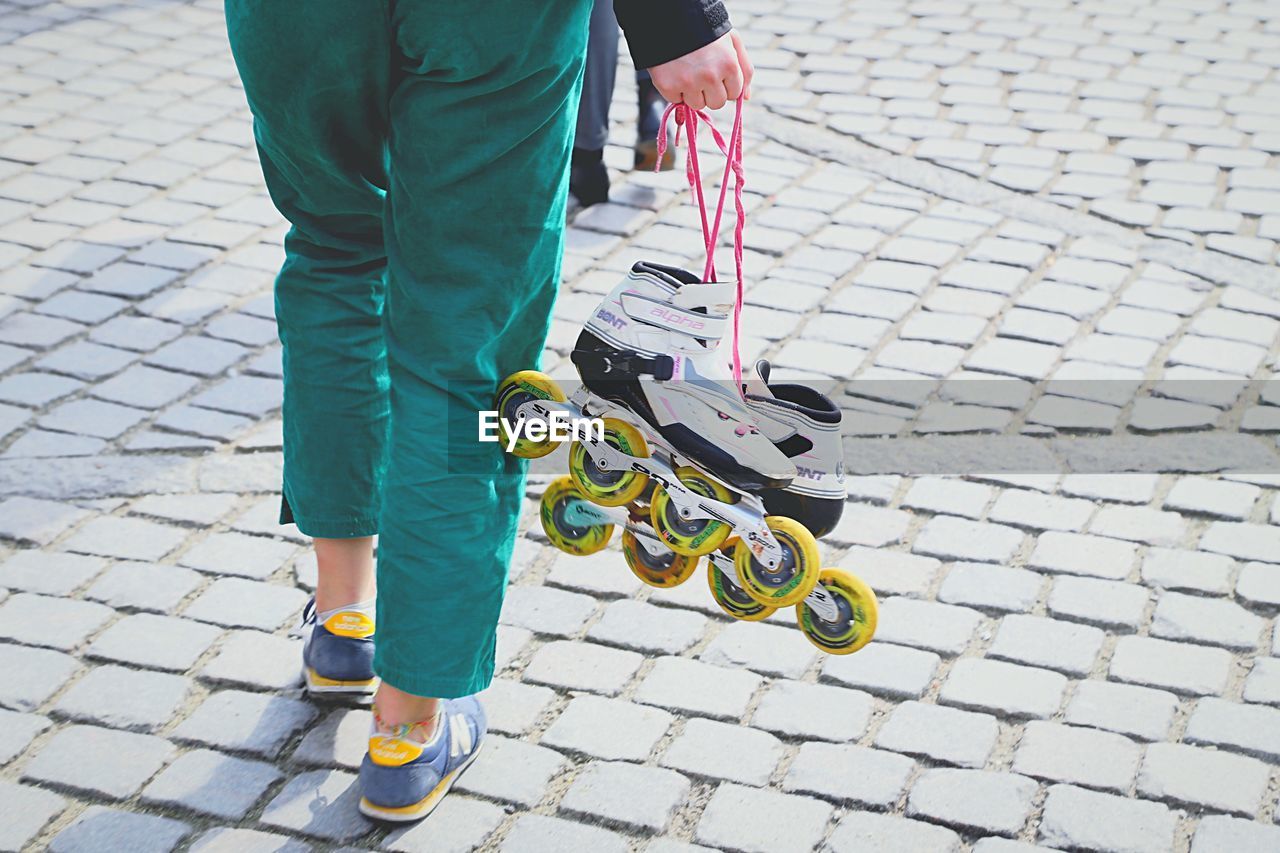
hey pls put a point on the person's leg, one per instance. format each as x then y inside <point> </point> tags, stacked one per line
<point>481,130</point>
<point>589,179</point>
<point>315,73</point>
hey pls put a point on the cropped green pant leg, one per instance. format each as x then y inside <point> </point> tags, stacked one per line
<point>420,149</point>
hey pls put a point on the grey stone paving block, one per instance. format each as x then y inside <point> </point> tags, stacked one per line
<point>512,771</point>
<point>1259,583</point>
<point>1080,554</point>
<point>961,539</point>
<point>535,833</point>
<point>122,698</point>
<point>698,688</point>
<point>928,625</point>
<point>1003,688</point>
<point>1173,568</point>
<point>940,733</point>
<point>612,729</point>
<point>547,611</point>
<point>38,521</point>
<point>33,330</point>
<point>58,623</point>
<point>252,396</point>
<point>991,587</point>
<point>1047,643</point>
<point>1081,756</point>
<point>211,783</point>
<point>796,709</point>
<point>1119,488</point>
<point>847,773</point>
<point>145,387</point>
<point>948,496</point>
<point>256,660</point>
<point>1263,683</point>
<point>200,509</point>
<point>511,643</point>
<point>245,722</point>
<point>125,538</point>
<point>998,803</point>
<point>666,845</point>
<point>1111,604</point>
<point>1219,498</point>
<point>885,670</point>
<point>598,574</point>
<point>43,444</point>
<point>126,279</point>
<point>724,751</point>
<point>755,821</point>
<point>1243,541</point>
<point>892,572</point>
<point>1222,834</point>
<point>33,675</point>
<point>16,731</point>
<point>99,761</point>
<point>1139,524</point>
<point>239,603</point>
<point>1248,728</point>
<point>340,740</point>
<point>1075,818</point>
<point>1178,773</point>
<point>101,828</point>
<point>641,626</point>
<point>514,707</point>
<point>1036,511</point>
<point>1139,711</point>
<point>93,418</point>
<point>767,649</point>
<point>1206,620</point>
<point>223,839</point>
<point>582,666</point>
<point>198,355</point>
<point>27,811</point>
<point>457,825</point>
<point>618,793</point>
<point>320,803</point>
<point>143,586</point>
<point>157,642</point>
<point>891,834</point>
<point>237,554</point>
<point>1180,667</point>
<point>137,334</point>
<point>48,573</point>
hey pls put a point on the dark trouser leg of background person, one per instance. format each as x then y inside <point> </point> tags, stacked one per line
<point>589,179</point>
<point>473,105</point>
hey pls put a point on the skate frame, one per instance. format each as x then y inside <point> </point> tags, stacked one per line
<point>746,517</point>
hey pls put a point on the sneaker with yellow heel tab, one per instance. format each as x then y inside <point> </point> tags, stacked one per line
<point>403,779</point>
<point>338,653</point>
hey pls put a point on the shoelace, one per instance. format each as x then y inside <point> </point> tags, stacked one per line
<point>691,118</point>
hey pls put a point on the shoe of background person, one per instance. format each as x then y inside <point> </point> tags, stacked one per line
<point>402,779</point>
<point>588,177</point>
<point>648,123</point>
<point>337,655</point>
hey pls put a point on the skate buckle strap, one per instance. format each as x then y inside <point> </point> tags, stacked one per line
<point>624,364</point>
<point>687,117</point>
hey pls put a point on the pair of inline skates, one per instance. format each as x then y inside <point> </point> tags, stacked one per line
<point>692,463</point>
<point>696,459</point>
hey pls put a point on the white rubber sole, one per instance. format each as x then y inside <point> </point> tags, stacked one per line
<point>320,686</point>
<point>422,808</point>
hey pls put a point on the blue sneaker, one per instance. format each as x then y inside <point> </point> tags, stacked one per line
<point>403,780</point>
<point>337,656</point>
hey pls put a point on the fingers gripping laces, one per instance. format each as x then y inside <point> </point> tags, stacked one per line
<point>690,118</point>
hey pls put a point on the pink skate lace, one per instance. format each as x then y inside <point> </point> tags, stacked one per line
<point>690,118</point>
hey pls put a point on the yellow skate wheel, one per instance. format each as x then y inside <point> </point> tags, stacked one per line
<point>670,569</point>
<point>610,488</point>
<point>794,576</point>
<point>733,600</point>
<point>572,535</point>
<point>516,390</point>
<point>696,536</point>
<point>856,624</point>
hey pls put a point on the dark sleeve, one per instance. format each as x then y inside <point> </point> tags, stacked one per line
<point>659,31</point>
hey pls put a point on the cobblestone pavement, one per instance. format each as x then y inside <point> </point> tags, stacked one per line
<point>1066,657</point>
